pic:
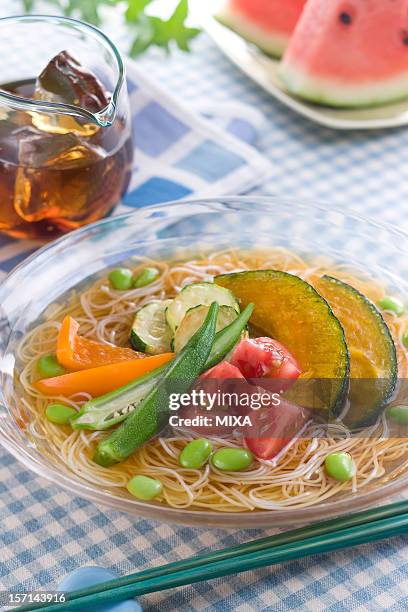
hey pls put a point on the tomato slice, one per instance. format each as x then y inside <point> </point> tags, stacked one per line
<point>266,358</point>
<point>223,378</point>
<point>227,383</point>
<point>222,371</point>
<point>273,427</point>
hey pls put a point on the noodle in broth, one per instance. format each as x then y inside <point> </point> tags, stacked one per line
<point>296,478</point>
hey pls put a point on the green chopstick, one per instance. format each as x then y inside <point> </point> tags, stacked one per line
<point>329,535</point>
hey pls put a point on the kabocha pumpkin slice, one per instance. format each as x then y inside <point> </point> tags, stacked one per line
<point>290,310</point>
<point>373,357</point>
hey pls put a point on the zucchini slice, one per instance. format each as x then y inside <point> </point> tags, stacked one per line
<point>150,332</point>
<point>290,310</point>
<point>198,294</point>
<point>373,356</point>
<point>193,320</point>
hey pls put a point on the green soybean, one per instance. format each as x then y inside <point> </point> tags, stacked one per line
<point>195,454</point>
<point>339,466</point>
<point>392,304</point>
<point>232,459</point>
<point>144,487</point>
<point>48,366</point>
<point>59,413</point>
<point>145,277</point>
<point>398,414</point>
<point>121,279</point>
<point>405,339</point>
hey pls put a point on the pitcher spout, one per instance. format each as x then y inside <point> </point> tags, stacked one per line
<point>106,117</point>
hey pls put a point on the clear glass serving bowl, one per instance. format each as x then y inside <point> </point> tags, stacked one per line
<point>177,228</point>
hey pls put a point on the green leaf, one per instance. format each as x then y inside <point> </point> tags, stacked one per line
<point>135,9</point>
<point>177,30</point>
<point>162,33</point>
<point>144,36</point>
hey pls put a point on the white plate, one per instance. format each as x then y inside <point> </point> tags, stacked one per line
<point>263,70</point>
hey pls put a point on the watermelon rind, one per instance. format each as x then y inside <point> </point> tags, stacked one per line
<point>271,44</point>
<point>339,94</point>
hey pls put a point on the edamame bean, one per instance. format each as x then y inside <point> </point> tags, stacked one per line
<point>232,459</point>
<point>195,454</point>
<point>121,279</point>
<point>145,277</point>
<point>340,466</point>
<point>144,487</point>
<point>392,304</point>
<point>59,413</point>
<point>48,366</point>
<point>405,339</point>
<point>398,414</point>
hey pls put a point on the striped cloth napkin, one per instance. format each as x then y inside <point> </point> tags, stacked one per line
<point>178,154</point>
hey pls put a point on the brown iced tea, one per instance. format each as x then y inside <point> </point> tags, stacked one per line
<point>58,173</point>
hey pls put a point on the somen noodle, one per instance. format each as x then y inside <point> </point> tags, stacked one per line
<point>296,478</point>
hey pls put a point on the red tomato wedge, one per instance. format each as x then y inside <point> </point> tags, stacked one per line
<point>223,371</point>
<point>272,428</point>
<point>273,425</point>
<point>223,378</point>
<point>266,358</point>
<point>227,383</point>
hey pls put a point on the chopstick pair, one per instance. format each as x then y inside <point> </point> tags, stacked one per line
<point>351,530</point>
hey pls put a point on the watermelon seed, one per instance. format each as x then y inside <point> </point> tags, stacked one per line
<point>405,37</point>
<point>345,18</point>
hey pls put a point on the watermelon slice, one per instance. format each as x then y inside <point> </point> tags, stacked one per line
<point>267,23</point>
<point>349,53</point>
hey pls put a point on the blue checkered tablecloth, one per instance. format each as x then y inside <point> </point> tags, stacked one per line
<point>46,532</point>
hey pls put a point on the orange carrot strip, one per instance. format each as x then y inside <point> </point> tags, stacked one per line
<point>78,353</point>
<point>98,381</point>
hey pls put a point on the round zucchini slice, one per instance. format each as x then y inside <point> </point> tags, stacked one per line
<point>198,294</point>
<point>373,356</point>
<point>150,332</point>
<point>193,320</point>
<point>290,310</point>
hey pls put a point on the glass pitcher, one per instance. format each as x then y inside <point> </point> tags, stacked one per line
<point>65,128</point>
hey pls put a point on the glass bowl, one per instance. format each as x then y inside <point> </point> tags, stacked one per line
<point>176,228</point>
